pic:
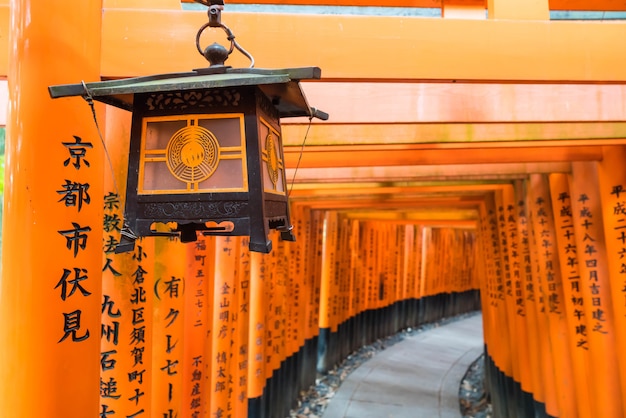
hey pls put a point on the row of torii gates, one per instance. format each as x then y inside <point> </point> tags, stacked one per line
<point>483,153</point>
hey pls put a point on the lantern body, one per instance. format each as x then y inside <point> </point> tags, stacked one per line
<point>206,150</point>
<point>208,161</point>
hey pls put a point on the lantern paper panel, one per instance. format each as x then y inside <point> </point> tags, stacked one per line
<point>193,154</point>
<point>273,165</point>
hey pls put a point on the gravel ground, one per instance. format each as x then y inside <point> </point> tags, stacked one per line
<point>313,402</point>
<point>472,396</point>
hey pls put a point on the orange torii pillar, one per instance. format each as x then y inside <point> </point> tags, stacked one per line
<point>543,385</point>
<point>356,296</point>
<point>429,275</point>
<point>226,265</point>
<point>497,341</point>
<point>168,317</point>
<point>559,389</point>
<point>418,276</point>
<point>343,280</point>
<point>528,297</point>
<point>612,182</point>
<point>361,281</point>
<point>273,329</point>
<point>299,266</point>
<point>365,249</point>
<point>256,389</point>
<point>50,297</point>
<point>595,285</point>
<point>126,330</point>
<point>515,233</point>
<point>277,332</point>
<point>242,345</point>
<point>409,274</point>
<point>573,300</point>
<point>487,293</point>
<point>326,357</point>
<point>198,301</point>
<point>315,274</point>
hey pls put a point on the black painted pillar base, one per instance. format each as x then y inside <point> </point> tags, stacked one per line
<point>507,397</point>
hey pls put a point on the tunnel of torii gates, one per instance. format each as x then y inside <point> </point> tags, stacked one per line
<point>473,160</point>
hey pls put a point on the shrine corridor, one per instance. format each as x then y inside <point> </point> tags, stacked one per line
<point>472,161</point>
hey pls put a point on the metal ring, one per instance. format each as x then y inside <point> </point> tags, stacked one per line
<point>228,32</point>
<point>230,37</point>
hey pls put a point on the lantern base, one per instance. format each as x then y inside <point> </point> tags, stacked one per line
<point>260,247</point>
<point>125,245</point>
<point>127,240</point>
<point>286,233</point>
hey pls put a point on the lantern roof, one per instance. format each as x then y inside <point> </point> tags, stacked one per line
<point>280,85</point>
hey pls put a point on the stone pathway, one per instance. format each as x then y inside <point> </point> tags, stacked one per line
<point>418,377</point>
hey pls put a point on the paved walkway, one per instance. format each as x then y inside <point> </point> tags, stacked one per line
<point>418,377</point>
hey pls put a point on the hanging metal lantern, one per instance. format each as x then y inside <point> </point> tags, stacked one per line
<point>206,151</point>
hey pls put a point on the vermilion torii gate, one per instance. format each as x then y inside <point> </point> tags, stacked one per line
<point>492,141</point>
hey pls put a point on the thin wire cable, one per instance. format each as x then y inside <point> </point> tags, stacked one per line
<point>89,99</point>
<point>306,134</point>
<point>126,231</point>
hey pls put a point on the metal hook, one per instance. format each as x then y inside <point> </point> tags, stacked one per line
<point>215,21</point>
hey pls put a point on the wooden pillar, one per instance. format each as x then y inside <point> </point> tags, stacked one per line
<point>197,326</point>
<point>573,300</point>
<point>278,327</point>
<point>546,376</point>
<point>368,254</point>
<point>242,346</point>
<point>612,190</point>
<point>226,261</point>
<point>488,300</point>
<point>501,332</point>
<point>507,228</point>
<point>378,276</point>
<point>518,253</point>
<point>360,285</point>
<point>425,277</point>
<point>314,279</point>
<point>342,281</point>
<point>428,262</point>
<point>527,299</point>
<point>501,351</point>
<point>258,322</point>
<point>126,331</point>
<point>410,249</point>
<point>399,278</point>
<point>50,297</point>
<point>355,281</point>
<point>551,286</point>
<point>308,302</point>
<point>592,256</point>
<point>168,316</point>
<point>407,258</point>
<point>328,294</point>
<point>418,271</point>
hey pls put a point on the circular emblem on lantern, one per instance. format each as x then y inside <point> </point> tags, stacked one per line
<point>272,158</point>
<point>192,154</point>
